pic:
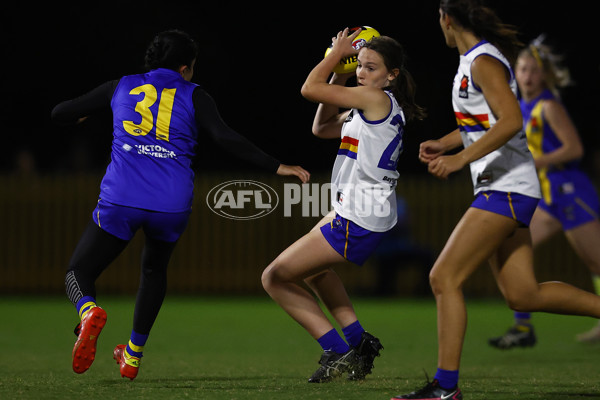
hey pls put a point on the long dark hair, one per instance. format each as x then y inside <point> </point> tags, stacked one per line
<point>474,16</point>
<point>171,49</point>
<point>403,87</point>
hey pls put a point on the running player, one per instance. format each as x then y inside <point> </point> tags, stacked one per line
<point>569,200</point>
<point>157,119</point>
<point>506,187</point>
<point>363,182</point>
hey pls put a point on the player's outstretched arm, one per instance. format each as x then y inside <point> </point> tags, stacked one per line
<point>294,170</point>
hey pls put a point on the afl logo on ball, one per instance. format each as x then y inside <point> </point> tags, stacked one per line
<point>242,199</point>
<point>358,43</point>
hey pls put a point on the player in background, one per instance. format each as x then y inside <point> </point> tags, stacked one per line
<point>506,187</point>
<point>569,200</point>
<point>363,198</point>
<point>158,120</point>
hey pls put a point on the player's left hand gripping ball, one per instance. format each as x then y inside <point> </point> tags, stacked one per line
<point>349,64</point>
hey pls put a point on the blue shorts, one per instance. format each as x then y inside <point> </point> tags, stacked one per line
<point>512,205</point>
<point>123,222</point>
<point>574,200</point>
<point>353,243</point>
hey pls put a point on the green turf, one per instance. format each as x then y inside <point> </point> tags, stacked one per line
<point>248,348</point>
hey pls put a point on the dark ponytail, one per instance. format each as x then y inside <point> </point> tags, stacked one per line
<point>171,49</point>
<point>403,87</point>
<point>474,16</point>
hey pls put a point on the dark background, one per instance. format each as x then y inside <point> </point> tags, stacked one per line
<point>253,61</point>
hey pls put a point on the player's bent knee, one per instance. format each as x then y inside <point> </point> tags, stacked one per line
<point>267,278</point>
<point>441,282</point>
<point>272,275</point>
<point>520,302</point>
<point>433,282</point>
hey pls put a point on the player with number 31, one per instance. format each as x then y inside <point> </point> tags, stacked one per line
<point>158,119</point>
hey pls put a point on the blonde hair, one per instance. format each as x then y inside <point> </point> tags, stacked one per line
<point>557,75</point>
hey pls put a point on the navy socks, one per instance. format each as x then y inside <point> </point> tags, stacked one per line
<point>332,341</point>
<point>353,333</point>
<point>447,379</point>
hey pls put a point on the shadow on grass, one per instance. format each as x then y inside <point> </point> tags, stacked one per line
<point>199,379</point>
<point>533,395</point>
<point>268,383</point>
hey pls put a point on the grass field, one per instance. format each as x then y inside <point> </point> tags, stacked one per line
<point>248,348</point>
